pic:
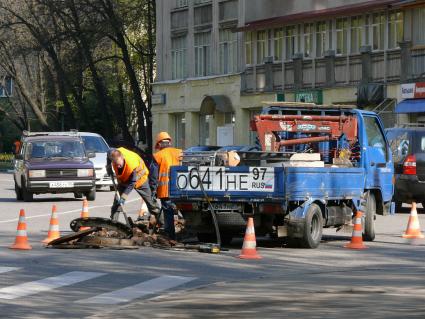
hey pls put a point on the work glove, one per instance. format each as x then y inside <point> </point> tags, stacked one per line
<point>121,201</point>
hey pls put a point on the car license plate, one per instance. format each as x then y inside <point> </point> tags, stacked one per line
<point>219,179</point>
<point>61,184</point>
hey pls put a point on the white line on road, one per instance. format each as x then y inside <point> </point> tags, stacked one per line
<point>149,287</point>
<point>46,284</point>
<point>7,269</point>
<point>61,213</point>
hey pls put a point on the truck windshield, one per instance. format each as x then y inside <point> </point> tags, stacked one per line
<point>55,149</point>
<point>95,144</point>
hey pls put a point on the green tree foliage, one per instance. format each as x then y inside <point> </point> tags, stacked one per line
<point>85,64</point>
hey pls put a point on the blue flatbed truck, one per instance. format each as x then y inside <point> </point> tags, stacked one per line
<point>316,165</point>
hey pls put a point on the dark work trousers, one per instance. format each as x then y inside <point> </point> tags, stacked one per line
<point>145,192</point>
<point>168,209</point>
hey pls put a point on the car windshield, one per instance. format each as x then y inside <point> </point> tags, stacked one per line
<point>95,144</point>
<point>55,149</point>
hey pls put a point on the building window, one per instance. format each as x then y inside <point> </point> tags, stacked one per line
<point>248,48</point>
<point>228,51</point>
<point>6,86</point>
<point>202,15</point>
<point>204,129</point>
<point>395,29</point>
<point>357,26</point>
<point>289,42</point>
<point>308,39</point>
<point>418,26</point>
<point>321,38</point>
<point>179,19</point>
<point>178,57</point>
<point>179,130</point>
<point>181,3</point>
<point>341,35</point>
<point>261,46</point>
<point>378,27</point>
<point>278,44</point>
<point>228,10</point>
<point>202,54</point>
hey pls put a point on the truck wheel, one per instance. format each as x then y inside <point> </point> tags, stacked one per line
<point>91,196</point>
<point>313,227</point>
<point>27,195</point>
<point>18,192</point>
<point>369,218</point>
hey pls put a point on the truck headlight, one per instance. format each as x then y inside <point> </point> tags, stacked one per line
<point>36,173</point>
<point>85,172</point>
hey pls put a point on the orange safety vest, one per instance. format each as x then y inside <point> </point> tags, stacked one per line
<point>17,146</point>
<point>166,158</point>
<point>132,162</point>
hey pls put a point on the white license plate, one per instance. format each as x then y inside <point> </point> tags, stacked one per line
<point>61,184</point>
<point>219,179</point>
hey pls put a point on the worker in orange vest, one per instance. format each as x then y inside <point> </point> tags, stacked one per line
<point>16,146</point>
<point>166,157</point>
<point>131,173</point>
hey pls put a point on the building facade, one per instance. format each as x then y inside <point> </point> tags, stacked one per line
<point>218,60</point>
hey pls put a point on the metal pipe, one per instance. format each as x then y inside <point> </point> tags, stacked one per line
<point>303,117</point>
<point>306,140</point>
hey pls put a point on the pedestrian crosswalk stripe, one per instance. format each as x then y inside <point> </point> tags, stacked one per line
<point>7,269</point>
<point>142,289</point>
<point>46,284</point>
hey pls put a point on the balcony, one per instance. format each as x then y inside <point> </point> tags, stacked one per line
<point>334,71</point>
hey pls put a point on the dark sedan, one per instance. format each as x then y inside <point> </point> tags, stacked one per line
<point>53,163</point>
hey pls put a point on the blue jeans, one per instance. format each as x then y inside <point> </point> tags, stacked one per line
<point>167,208</point>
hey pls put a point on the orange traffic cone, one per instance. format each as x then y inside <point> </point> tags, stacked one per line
<point>53,227</point>
<point>413,228</point>
<point>357,237</point>
<point>85,213</point>
<point>21,241</point>
<point>249,246</point>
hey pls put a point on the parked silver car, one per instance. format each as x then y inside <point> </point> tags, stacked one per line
<point>96,143</point>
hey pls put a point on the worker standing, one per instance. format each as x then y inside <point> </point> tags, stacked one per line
<point>16,148</point>
<point>131,173</point>
<point>166,157</point>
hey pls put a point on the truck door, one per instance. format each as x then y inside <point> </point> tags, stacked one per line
<point>378,159</point>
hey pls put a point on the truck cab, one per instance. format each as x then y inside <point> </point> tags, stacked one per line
<point>317,165</point>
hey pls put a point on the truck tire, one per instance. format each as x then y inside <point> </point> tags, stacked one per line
<point>369,218</point>
<point>313,227</point>
<point>18,192</point>
<point>27,196</point>
<point>91,195</point>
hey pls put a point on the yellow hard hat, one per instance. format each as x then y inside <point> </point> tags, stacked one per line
<point>162,136</point>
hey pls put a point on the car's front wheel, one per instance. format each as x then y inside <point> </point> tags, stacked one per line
<point>27,196</point>
<point>18,192</point>
<point>91,195</point>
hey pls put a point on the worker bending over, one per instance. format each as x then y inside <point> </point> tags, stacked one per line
<point>131,173</point>
<point>166,157</point>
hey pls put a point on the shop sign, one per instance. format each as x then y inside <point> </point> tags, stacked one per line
<point>158,99</point>
<point>413,90</point>
<point>311,96</point>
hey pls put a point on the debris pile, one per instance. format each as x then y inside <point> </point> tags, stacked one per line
<point>106,233</point>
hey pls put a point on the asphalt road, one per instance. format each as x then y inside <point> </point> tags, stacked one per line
<point>385,281</point>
